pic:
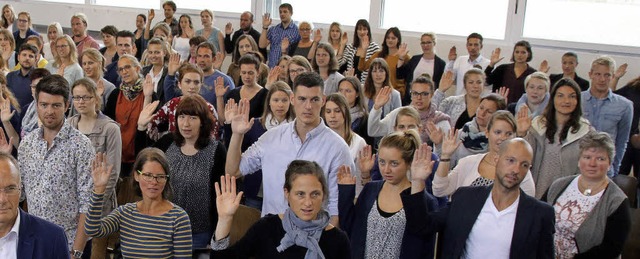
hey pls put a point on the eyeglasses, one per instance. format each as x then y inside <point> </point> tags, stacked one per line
<point>82,98</point>
<point>297,71</point>
<point>125,67</point>
<point>62,46</point>
<point>422,94</point>
<point>10,191</point>
<point>149,177</point>
<point>23,20</point>
<point>305,29</point>
<point>426,42</point>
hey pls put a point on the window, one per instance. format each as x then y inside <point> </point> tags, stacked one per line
<point>452,17</point>
<point>328,11</point>
<point>609,22</point>
<point>235,6</point>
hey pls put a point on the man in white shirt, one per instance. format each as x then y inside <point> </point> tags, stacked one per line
<point>460,65</point>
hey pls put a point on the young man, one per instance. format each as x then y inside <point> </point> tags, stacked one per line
<point>307,138</point>
<point>273,36</point>
<point>498,221</point>
<point>460,65</point>
<point>569,64</point>
<point>246,27</point>
<point>55,161</point>
<point>18,81</point>
<point>169,8</point>
<point>607,111</point>
<point>125,42</point>
<point>80,36</point>
<point>36,41</point>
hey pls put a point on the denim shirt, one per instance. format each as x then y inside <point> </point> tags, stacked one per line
<point>613,115</point>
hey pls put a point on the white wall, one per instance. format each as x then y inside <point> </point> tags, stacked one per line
<point>124,18</point>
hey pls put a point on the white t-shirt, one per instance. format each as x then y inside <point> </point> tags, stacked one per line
<point>425,66</point>
<point>491,235</point>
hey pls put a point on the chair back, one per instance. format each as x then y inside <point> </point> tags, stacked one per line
<point>244,218</point>
<point>629,186</point>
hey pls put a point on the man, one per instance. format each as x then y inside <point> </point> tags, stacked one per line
<point>569,64</point>
<point>607,111</point>
<point>246,22</point>
<point>125,43</point>
<point>498,221</point>
<point>273,36</point>
<point>460,65</point>
<point>80,36</point>
<point>37,42</point>
<point>170,8</point>
<point>18,81</point>
<point>55,162</point>
<point>306,138</point>
<point>23,234</point>
<point>205,58</point>
<point>24,30</point>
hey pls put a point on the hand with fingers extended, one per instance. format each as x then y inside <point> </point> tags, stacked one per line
<point>446,81</point>
<point>495,57</point>
<point>523,121</point>
<point>366,161</point>
<point>61,69</point>
<point>227,200</point>
<point>174,64</point>
<point>266,20</point>
<point>383,97</point>
<point>544,66</point>
<point>146,115</point>
<point>284,44</point>
<point>349,72</point>
<point>345,177</point>
<point>453,53</point>
<point>274,74</point>
<point>504,92</point>
<point>435,134</point>
<point>6,114</point>
<point>240,122</point>
<point>317,36</point>
<point>100,172</point>
<point>151,14</point>
<point>228,28</point>
<point>621,71</point>
<point>5,146</point>
<point>147,86</point>
<point>422,165</point>
<point>220,88</point>
<point>450,143</point>
<point>230,110</point>
<point>344,39</point>
<point>403,50</point>
<point>219,59</point>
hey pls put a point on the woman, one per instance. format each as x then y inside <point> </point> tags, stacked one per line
<point>536,95</point>
<point>92,65</point>
<point>378,82</point>
<point>251,90</point>
<point>282,68</point>
<point>246,44</point>
<point>362,46</point>
<point>304,47</point>
<point>297,65</point>
<point>592,212</point>
<point>54,31</point>
<point>276,236</point>
<point>376,223</point>
<point>7,49</point>
<point>337,39</point>
<point>104,134</point>
<point>24,29</point>
<point>9,20</point>
<point>426,63</point>
<point>394,53</point>
<point>30,120</point>
<point>212,34</point>
<point>461,108</point>
<point>152,227</point>
<point>473,134</point>
<point>109,51</point>
<point>197,161</point>
<point>9,113</point>
<point>181,41</point>
<point>430,120</point>
<point>4,70</point>
<point>66,60</point>
<point>351,89</point>
<point>477,169</point>
<point>554,135</point>
<point>157,59</point>
<point>511,75</point>
<point>631,91</point>
<point>325,63</point>
<point>337,117</point>
<point>163,31</point>
<point>141,45</point>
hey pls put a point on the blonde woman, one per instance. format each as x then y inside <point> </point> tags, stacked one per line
<point>54,31</point>
<point>212,34</point>
<point>92,65</point>
<point>65,62</point>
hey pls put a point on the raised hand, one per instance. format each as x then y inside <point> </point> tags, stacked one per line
<point>5,146</point>
<point>228,29</point>
<point>61,69</point>
<point>495,57</point>
<point>344,39</point>
<point>220,89</point>
<point>504,92</point>
<point>5,110</point>
<point>435,134</point>
<point>274,74</point>
<point>240,123</point>
<point>317,36</point>
<point>366,160</point>
<point>422,165</point>
<point>227,200</point>
<point>151,14</point>
<point>621,71</point>
<point>230,110</point>
<point>147,85</point>
<point>174,64</point>
<point>100,172</point>
<point>365,42</point>
<point>349,72</point>
<point>217,62</point>
<point>446,81</point>
<point>523,121</point>
<point>383,97</point>
<point>146,115</point>
<point>453,53</point>
<point>450,143</point>
<point>284,44</point>
<point>100,88</point>
<point>266,20</point>
<point>403,50</point>
<point>544,66</point>
<point>345,177</point>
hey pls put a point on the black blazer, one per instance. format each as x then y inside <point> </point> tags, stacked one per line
<point>406,72</point>
<point>160,93</point>
<point>533,230</point>
<point>584,84</point>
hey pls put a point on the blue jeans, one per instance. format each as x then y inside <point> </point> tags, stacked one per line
<point>201,240</point>
<point>255,203</point>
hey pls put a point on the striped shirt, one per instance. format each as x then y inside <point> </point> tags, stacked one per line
<point>349,55</point>
<point>142,236</point>
<point>275,35</point>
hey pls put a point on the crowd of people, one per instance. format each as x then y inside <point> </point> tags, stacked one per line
<point>348,149</point>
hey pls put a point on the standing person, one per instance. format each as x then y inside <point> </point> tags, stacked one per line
<point>394,53</point>
<point>169,9</point>
<point>58,187</point>
<point>104,134</point>
<point>211,33</point>
<point>9,20</point>
<point>19,81</point>
<point>24,29</point>
<point>498,221</point>
<point>180,41</point>
<point>125,41</point>
<point>305,47</point>
<point>245,45</point>
<point>337,39</point>
<point>246,28</point>
<point>273,151</point>
<point>273,37</point>
<point>426,63</point>
<point>363,45</point>
<point>569,64</point>
<point>92,65</point>
<point>158,58</point>
<point>8,49</point>
<point>152,227</point>
<point>325,63</point>
<point>30,120</point>
<point>141,20</point>
<point>607,111</point>
<point>629,161</point>
<point>54,31</point>
<point>80,37</point>
<point>66,62</point>
<point>460,65</point>
<point>110,50</point>
<point>511,75</point>
<point>250,90</point>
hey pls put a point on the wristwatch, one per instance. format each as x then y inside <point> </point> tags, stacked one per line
<point>76,253</point>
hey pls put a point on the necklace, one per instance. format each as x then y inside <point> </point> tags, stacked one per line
<point>589,191</point>
<point>484,159</point>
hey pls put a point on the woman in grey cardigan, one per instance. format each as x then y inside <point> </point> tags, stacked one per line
<point>592,212</point>
<point>461,108</point>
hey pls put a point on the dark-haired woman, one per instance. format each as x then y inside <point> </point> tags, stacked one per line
<point>245,45</point>
<point>395,53</point>
<point>251,90</point>
<point>326,64</point>
<point>363,46</point>
<point>511,75</point>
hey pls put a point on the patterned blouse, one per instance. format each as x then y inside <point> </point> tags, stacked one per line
<point>384,233</point>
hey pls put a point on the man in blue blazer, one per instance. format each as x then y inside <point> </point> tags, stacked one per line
<point>23,235</point>
<point>498,221</point>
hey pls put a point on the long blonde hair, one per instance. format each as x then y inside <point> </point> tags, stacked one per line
<point>7,94</point>
<point>73,52</point>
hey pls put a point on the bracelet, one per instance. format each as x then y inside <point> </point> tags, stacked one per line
<point>265,28</point>
<point>445,160</point>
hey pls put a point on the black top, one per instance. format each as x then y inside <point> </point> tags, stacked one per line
<point>584,84</point>
<point>230,41</point>
<point>264,236</point>
<point>463,119</point>
<point>256,104</point>
<point>633,94</point>
<point>504,75</point>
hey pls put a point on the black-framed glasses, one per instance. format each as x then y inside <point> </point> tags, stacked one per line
<point>162,178</point>
<point>416,94</point>
<point>82,98</point>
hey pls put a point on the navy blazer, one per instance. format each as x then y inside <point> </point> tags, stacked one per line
<point>353,220</point>
<point>406,72</point>
<point>532,233</point>
<point>38,238</point>
<point>160,93</point>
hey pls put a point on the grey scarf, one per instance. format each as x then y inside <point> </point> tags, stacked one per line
<point>304,233</point>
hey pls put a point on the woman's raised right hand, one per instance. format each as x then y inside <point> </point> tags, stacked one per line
<point>450,143</point>
<point>227,200</point>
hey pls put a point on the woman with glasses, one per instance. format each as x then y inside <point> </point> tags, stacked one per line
<point>426,63</point>
<point>306,46</point>
<point>104,134</point>
<point>297,65</point>
<point>66,60</point>
<point>151,228</point>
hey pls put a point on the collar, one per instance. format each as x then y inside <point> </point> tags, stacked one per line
<point>590,96</point>
<point>15,228</point>
<point>314,132</point>
<point>292,24</point>
<point>476,61</point>
<point>62,134</point>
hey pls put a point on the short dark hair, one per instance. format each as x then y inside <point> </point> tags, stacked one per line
<point>110,29</point>
<point>170,4</point>
<point>424,80</point>
<point>195,105</point>
<point>308,79</point>
<point>54,85</point>
<point>151,154</point>
<point>500,102</point>
<point>196,40</point>
<point>126,34</point>
<point>304,167</point>
<point>286,5</point>
<point>475,35</point>
<point>207,45</point>
<point>144,17</point>
<point>526,45</point>
<point>250,59</point>
<point>29,47</point>
<point>39,73</point>
<point>570,54</point>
